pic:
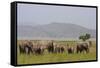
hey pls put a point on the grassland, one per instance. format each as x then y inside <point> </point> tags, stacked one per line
<point>60,57</point>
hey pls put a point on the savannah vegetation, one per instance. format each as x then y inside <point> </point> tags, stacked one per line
<point>53,51</point>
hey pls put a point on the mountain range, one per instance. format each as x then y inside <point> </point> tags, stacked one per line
<point>53,31</point>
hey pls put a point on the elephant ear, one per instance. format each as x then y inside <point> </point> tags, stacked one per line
<point>86,43</point>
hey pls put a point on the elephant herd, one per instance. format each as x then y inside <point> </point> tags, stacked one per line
<point>42,47</point>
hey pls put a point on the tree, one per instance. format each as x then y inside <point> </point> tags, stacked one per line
<point>85,37</point>
<point>88,36</point>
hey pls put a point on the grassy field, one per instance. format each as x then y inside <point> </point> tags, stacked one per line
<point>59,57</point>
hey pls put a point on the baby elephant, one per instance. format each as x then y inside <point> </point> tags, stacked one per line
<point>70,50</point>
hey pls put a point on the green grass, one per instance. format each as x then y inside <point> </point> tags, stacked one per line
<point>61,57</point>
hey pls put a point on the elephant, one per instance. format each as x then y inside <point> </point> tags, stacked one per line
<point>82,47</point>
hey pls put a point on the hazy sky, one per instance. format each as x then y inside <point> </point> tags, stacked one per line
<point>30,14</point>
